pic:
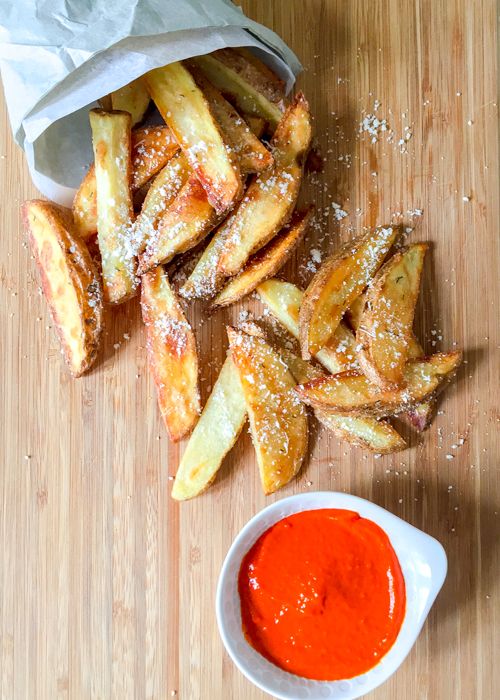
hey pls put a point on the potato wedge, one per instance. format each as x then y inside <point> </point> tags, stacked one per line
<point>270,199</point>
<point>378,436</point>
<point>151,150</point>
<point>132,98</point>
<point>173,358</point>
<point>189,218</point>
<point>184,108</point>
<point>267,261</point>
<point>70,282</point>
<point>283,299</point>
<point>164,189</point>
<point>355,311</point>
<point>352,393</point>
<point>238,90</point>
<point>252,155</point>
<point>214,435</point>
<point>115,211</point>
<point>205,279</point>
<point>278,422</point>
<point>385,328</point>
<point>339,280</point>
<point>252,70</point>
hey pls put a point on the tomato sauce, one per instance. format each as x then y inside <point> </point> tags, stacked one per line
<point>322,594</point>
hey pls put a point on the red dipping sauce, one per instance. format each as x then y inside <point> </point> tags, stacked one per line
<point>322,594</point>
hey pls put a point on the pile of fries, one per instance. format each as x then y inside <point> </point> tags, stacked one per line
<point>220,178</point>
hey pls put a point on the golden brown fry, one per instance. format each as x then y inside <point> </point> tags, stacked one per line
<point>70,282</point>
<point>151,150</point>
<point>205,278</point>
<point>165,187</point>
<point>253,71</point>
<point>339,280</point>
<point>115,211</point>
<point>214,435</point>
<point>267,261</point>
<point>257,125</point>
<point>352,393</point>
<point>284,300</point>
<point>385,328</point>
<point>278,422</point>
<point>239,91</point>
<point>132,98</point>
<point>185,109</point>
<point>172,354</point>
<point>252,155</point>
<point>375,435</point>
<point>186,222</point>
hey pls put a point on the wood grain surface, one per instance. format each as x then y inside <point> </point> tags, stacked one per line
<point>106,585</point>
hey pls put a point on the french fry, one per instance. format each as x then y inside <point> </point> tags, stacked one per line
<point>214,435</point>
<point>172,354</point>
<point>339,280</point>
<point>115,211</point>
<point>278,422</point>
<point>252,155</point>
<point>253,71</point>
<point>419,417</point>
<point>352,393</point>
<point>267,261</point>
<point>186,222</point>
<point>185,109</point>
<point>385,327</point>
<point>70,282</point>
<point>284,299</point>
<point>165,187</point>
<point>239,91</point>
<point>265,208</point>
<point>151,150</point>
<point>132,98</point>
<point>375,435</point>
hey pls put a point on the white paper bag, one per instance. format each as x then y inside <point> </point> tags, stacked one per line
<point>58,57</point>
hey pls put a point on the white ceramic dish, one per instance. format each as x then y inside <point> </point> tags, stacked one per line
<point>423,562</point>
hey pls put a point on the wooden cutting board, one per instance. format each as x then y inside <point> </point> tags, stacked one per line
<point>106,585</point>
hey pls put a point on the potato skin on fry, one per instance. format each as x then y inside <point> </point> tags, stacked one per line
<point>352,393</point>
<point>278,422</point>
<point>385,326</point>
<point>267,261</point>
<point>70,282</point>
<point>339,280</point>
<point>152,148</point>
<point>254,72</point>
<point>173,358</point>
<point>186,111</point>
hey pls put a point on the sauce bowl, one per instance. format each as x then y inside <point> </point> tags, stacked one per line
<point>423,563</point>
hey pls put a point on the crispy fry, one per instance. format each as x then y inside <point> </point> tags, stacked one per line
<point>214,435</point>
<point>284,300</point>
<point>385,328</point>
<point>151,150</point>
<point>165,187</point>
<point>252,155</point>
<point>278,423</point>
<point>267,261</point>
<point>205,278</point>
<point>336,284</point>
<point>70,282</point>
<point>185,109</point>
<point>254,72</point>
<point>375,435</point>
<point>352,393</point>
<point>115,212</point>
<point>132,98</point>
<point>185,223</point>
<point>355,311</point>
<point>172,354</point>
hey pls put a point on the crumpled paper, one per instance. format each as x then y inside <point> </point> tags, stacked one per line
<point>58,57</point>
